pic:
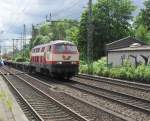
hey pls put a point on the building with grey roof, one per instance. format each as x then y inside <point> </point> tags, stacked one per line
<point>122,43</point>
<point>136,53</point>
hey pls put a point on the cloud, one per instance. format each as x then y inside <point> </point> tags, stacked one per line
<point>15,13</point>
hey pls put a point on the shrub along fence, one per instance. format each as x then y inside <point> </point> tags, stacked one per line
<point>127,71</point>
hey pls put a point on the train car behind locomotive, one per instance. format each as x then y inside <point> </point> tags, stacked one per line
<point>57,58</point>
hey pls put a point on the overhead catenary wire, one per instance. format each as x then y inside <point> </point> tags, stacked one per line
<point>58,13</point>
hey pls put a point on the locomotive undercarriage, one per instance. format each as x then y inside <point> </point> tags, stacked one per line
<point>55,70</point>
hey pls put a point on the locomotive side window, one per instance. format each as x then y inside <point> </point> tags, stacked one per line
<point>43,48</point>
<point>38,49</point>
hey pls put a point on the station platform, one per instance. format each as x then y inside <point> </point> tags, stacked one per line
<point>9,108</point>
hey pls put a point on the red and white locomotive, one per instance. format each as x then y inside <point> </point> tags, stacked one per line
<point>57,58</point>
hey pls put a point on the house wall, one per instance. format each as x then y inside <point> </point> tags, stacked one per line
<point>117,58</point>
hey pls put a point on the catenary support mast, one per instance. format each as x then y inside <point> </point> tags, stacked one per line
<point>90,38</point>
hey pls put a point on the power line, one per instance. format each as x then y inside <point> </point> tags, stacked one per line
<point>58,13</point>
<point>64,8</point>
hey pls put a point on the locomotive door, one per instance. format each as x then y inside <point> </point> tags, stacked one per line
<point>48,54</point>
<point>44,59</point>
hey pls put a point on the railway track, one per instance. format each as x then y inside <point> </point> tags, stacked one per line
<point>45,108</point>
<point>123,98</point>
<point>118,82</point>
<point>45,88</point>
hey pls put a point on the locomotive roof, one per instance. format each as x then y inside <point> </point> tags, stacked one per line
<point>53,43</point>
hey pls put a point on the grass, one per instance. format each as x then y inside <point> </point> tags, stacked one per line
<point>4,97</point>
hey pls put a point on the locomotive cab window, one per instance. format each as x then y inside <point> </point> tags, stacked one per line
<point>61,48</point>
<point>71,48</point>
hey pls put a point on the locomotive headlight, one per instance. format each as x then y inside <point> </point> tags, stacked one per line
<point>73,62</point>
<point>59,62</point>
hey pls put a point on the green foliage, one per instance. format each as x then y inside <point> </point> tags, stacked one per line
<point>145,14</point>
<point>9,104</point>
<point>127,71</point>
<point>22,56</point>
<point>99,66</point>
<point>44,30</point>
<point>72,34</point>
<point>20,59</point>
<point>142,33</point>
<point>5,98</point>
<point>142,23</point>
<point>111,22</point>
<point>38,41</point>
<point>62,29</point>
<point>2,95</point>
<point>83,68</point>
<point>146,75</point>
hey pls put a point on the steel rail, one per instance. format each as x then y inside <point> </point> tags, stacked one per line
<point>118,82</point>
<point>72,113</point>
<point>90,104</point>
<point>122,98</point>
<point>126,101</point>
<point>22,99</point>
<point>81,100</point>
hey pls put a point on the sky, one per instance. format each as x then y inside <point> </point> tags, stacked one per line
<point>15,13</point>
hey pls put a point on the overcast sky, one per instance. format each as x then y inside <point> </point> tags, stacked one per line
<point>15,13</point>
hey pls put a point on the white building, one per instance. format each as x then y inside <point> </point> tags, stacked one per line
<point>134,54</point>
<point>135,51</point>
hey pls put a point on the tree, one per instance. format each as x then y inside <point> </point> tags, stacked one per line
<point>143,34</point>
<point>111,22</point>
<point>55,30</point>
<point>145,14</point>
<point>44,29</point>
<point>38,41</point>
<point>72,34</point>
<point>142,23</point>
<point>60,28</point>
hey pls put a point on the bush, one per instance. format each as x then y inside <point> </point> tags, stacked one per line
<point>147,75</point>
<point>83,68</point>
<point>126,71</point>
<point>22,59</point>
